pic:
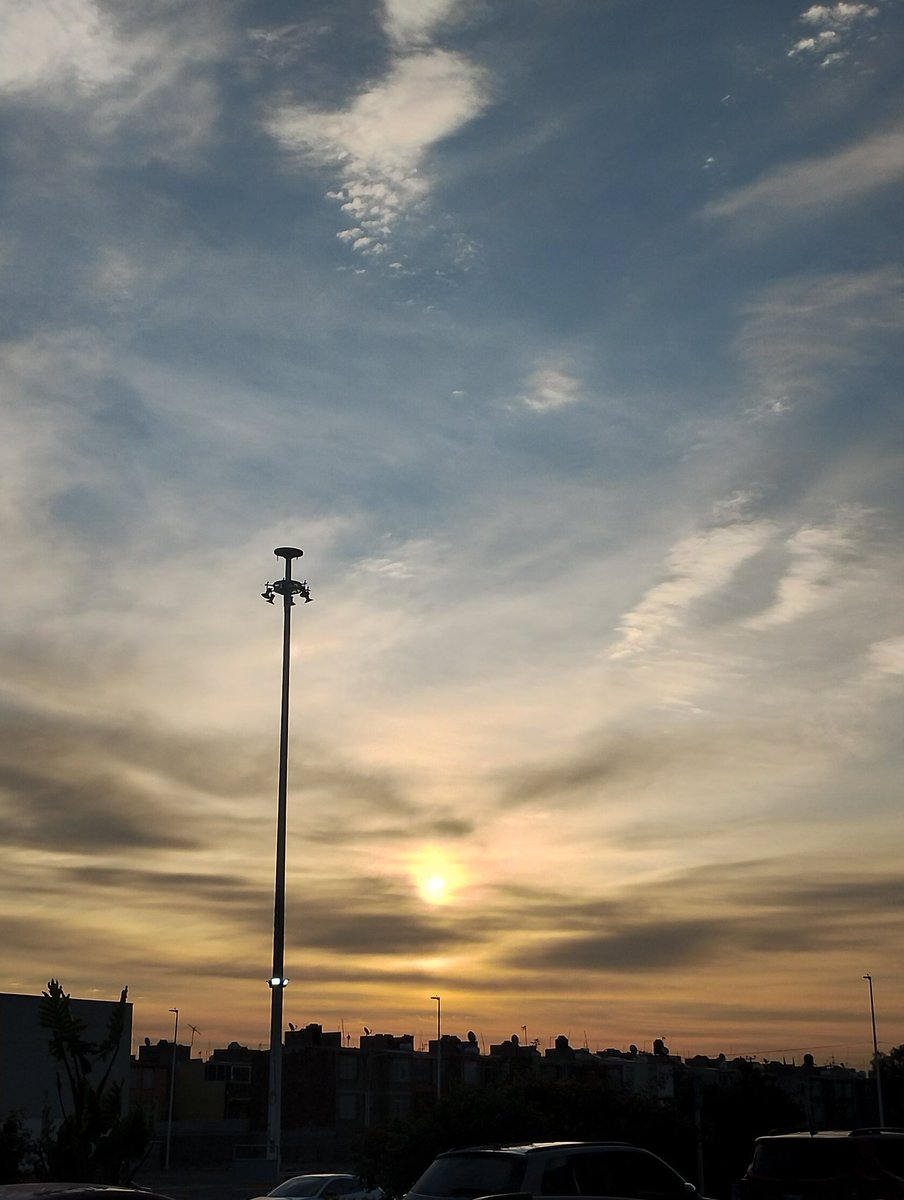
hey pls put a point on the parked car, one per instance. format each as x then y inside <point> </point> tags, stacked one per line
<point>324,1187</point>
<point>855,1164</point>
<point>75,1191</point>
<point>613,1169</point>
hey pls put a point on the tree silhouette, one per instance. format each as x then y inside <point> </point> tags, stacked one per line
<point>93,1142</point>
<point>16,1147</point>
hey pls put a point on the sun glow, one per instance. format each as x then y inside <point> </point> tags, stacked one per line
<point>436,875</point>
<point>433,889</point>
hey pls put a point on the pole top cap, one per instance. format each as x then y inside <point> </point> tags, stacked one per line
<point>288,552</point>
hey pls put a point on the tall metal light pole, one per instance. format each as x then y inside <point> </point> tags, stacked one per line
<point>876,1069</point>
<point>288,588</point>
<point>439,1047</point>
<point>172,1089</point>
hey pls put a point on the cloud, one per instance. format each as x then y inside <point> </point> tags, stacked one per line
<point>698,566</point>
<point>804,190</point>
<point>283,45</point>
<point>715,915</point>
<point>801,336</point>
<point>79,784</point>
<point>46,42</point>
<point>616,761</point>
<point>887,656</point>
<point>833,23</point>
<point>357,929</point>
<point>378,144</point>
<point>838,15</point>
<point>823,560</point>
<point>106,72</point>
<point>409,22</point>
<point>549,387</point>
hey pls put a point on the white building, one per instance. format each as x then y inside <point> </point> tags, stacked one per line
<point>28,1073</point>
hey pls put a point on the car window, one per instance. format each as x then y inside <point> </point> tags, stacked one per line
<point>301,1185</point>
<point>805,1158</point>
<point>558,1179</point>
<point>628,1173</point>
<point>469,1175</point>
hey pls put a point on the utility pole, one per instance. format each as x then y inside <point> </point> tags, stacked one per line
<point>439,1047</point>
<point>172,1090</point>
<point>876,1067</point>
<point>288,588</point>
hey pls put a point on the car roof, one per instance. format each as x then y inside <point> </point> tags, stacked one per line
<point>528,1147</point>
<point>822,1134</point>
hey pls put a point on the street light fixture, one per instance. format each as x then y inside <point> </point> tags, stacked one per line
<point>876,1068</point>
<point>172,1090</point>
<point>288,588</point>
<point>439,1047</point>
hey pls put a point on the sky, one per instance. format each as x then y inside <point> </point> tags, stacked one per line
<point>564,337</point>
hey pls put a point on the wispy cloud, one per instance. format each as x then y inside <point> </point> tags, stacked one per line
<point>799,335</point>
<point>697,566</point>
<point>887,656</point>
<point>666,926</point>
<point>550,386</point>
<point>410,22</point>
<point>823,560</point>
<point>78,56</point>
<point>797,191</point>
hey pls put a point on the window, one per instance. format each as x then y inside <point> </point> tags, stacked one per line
<point>348,1066</point>
<point>626,1172</point>
<point>471,1175</point>
<point>805,1158</point>
<point>558,1179</point>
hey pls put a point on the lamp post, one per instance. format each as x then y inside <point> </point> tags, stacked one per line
<point>876,1069</point>
<point>172,1089</point>
<point>288,588</point>
<point>439,1047</point>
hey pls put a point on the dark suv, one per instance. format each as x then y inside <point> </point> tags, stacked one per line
<point>612,1169</point>
<point>856,1164</point>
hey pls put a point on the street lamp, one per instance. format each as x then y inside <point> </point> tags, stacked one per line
<point>439,1047</point>
<point>288,588</point>
<point>872,1013</point>
<point>172,1089</point>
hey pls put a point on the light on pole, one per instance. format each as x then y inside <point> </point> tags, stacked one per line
<point>439,1047</point>
<point>288,588</point>
<point>872,1014</point>
<point>172,1090</point>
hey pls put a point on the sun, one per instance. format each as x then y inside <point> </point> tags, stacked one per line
<point>436,875</point>
<point>433,889</point>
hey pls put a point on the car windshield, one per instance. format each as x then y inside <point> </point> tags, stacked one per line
<point>303,1185</point>
<point>470,1175</point>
